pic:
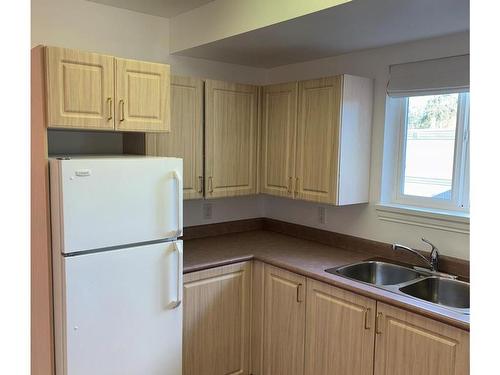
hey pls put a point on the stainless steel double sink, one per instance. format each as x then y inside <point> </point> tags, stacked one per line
<point>429,286</point>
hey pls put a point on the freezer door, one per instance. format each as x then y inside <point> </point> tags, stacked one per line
<point>105,202</point>
<point>123,312</point>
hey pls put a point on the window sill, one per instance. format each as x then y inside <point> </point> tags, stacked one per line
<point>451,221</point>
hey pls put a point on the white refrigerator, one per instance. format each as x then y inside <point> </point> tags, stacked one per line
<point>117,265</point>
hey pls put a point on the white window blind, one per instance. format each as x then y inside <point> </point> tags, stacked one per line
<point>429,77</point>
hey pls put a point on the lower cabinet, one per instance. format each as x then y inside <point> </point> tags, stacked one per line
<point>284,322</point>
<point>340,331</point>
<point>411,344</point>
<point>216,327</point>
<point>254,318</point>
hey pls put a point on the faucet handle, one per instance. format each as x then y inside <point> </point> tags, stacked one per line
<point>434,254</point>
<point>430,243</point>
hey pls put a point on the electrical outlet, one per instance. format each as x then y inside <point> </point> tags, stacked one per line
<point>322,215</point>
<point>207,211</point>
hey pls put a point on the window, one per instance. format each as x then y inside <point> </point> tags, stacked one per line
<point>433,161</point>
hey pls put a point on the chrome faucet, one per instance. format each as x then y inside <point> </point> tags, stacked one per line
<point>434,257</point>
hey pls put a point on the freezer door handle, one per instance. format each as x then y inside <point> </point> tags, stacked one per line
<point>177,301</point>
<point>178,231</point>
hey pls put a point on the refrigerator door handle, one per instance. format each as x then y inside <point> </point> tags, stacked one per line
<point>178,231</point>
<point>177,301</point>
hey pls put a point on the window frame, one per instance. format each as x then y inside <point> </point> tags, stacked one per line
<point>461,162</point>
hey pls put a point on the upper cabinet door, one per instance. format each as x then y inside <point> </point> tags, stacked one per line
<point>142,96</point>
<point>230,139</point>
<point>411,344</point>
<point>80,89</point>
<point>185,139</point>
<point>279,118</point>
<point>318,139</point>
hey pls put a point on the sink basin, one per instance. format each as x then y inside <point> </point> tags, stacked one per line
<point>376,272</point>
<point>442,291</point>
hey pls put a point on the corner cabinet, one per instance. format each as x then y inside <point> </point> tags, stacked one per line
<point>231,122</point>
<point>91,91</point>
<point>323,152</point>
<point>216,326</point>
<point>186,137</point>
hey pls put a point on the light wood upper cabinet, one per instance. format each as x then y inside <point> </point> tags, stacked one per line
<point>216,326</point>
<point>185,139</point>
<point>230,139</point>
<point>340,330</point>
<point>411,344</point>
<point>93,91</point>
<point>142,96</point>
<point>284,322</point>
<point>334,140</point>
<point>279,118</point>
<point>317,139</point>
<point>327,158</point>
<point>80,89</point>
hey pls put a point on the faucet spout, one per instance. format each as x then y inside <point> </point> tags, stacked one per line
<point>433,263</point>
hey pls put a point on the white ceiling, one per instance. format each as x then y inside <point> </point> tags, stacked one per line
<point>360,24</point>
<point>162,8</point>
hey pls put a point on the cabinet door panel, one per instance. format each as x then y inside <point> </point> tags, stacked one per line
<point>339,331</point>
<point>80,89</point>
<point>279,117</point>
<point>318,139</point>
<point>414,345</point>
<point>216,331</point>
<point>185,139</point>
<point>142,96</point>
<point>284,320</point>
<point>231,139</point>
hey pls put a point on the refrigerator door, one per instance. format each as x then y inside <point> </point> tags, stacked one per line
<point>109,202</point>
<point>122,312</point>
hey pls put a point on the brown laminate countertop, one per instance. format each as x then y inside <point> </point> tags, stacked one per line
<point>307,258</point>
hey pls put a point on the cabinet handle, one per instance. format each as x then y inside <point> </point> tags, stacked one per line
<point>378,324</point>
<point>210,185</point>
<point>296,185</point>
<point>299,293</point>
<point>200,181</point>
<point>110,109</point>
<point>122,110</point>
<point>289,187</point>
<point>367,313</point>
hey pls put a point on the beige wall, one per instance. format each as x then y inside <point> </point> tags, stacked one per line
<point>94,27</point>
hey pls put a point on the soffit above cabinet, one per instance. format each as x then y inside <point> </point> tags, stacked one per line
<point>348,27</point>
<point>162,8</point>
